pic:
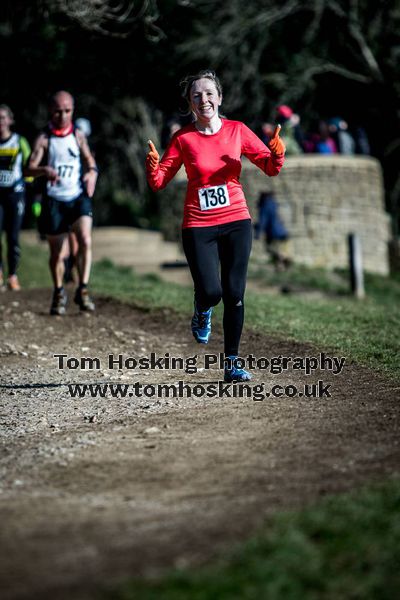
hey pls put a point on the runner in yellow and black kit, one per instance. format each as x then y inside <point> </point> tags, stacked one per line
<point>14,153</point>
<point>71,173</point>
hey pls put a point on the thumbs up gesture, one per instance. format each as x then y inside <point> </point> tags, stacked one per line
<point>153,158</point>
<point>275,144</point>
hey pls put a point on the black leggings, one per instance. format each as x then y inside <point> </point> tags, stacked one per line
<point>12,208</point>
<point>228,245</point>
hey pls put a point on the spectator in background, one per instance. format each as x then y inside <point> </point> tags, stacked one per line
<point>329,136</point>
<point>14,153</point>
<point>362,141</point>
<point>324,142</point>
<point>290,133</point>
<point>266,131</point>
<point>85,126</point>
<point>271,225</point>
<point>172,125</point>
<point>338,129</point>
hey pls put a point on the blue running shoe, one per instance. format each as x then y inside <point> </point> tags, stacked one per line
<point>233,374</point>
<point>201,325</point>
<point>236,375</point>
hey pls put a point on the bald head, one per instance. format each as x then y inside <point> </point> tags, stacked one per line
<point>61,96</point>
<point>61,109</point>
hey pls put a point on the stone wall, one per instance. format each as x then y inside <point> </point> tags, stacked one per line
<point>322,199</point>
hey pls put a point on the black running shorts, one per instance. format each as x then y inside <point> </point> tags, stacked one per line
<point>58,217</point>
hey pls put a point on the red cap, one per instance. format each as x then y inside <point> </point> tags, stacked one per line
<point>284,111</point>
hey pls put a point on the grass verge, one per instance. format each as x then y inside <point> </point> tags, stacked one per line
<point>345,547</point>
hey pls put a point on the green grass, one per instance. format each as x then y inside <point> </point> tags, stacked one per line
<point>366,331</point>
<point>300,277</point>
<point>345,547</point>
<point>34,268</point>
<point>333,282</point>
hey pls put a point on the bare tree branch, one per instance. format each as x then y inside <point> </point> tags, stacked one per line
<point>110,18</point>
<point>275,14</point>
<point>353,26</point>
<point>319,8</point>
<point>339,70</point>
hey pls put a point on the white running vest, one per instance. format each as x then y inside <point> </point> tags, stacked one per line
<point>64,156</point>
<point>11,162</point>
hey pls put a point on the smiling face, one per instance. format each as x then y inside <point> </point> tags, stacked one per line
<point>61,110</point>
<point>204,99</point>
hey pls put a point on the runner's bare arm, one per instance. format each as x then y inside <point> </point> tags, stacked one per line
<point>87,156</point>
<point>33,168</point>
<point>90,169</point>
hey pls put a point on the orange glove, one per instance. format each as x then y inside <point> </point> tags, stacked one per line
<point>275,144</point>
<point>153,158</point>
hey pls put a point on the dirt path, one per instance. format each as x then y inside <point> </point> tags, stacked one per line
<point>95,489</point>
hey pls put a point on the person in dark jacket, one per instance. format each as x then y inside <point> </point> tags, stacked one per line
<point>271,225</point>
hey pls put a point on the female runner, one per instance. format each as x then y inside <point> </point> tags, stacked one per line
<point>216,229</point>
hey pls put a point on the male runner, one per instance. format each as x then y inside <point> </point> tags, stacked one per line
<point>62,155</point>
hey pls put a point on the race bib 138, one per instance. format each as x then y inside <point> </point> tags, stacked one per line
<point>216,196</point>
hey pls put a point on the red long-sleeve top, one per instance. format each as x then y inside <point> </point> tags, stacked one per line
<point>212,161</point>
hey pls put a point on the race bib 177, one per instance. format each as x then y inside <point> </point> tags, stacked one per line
<point>214,197</point>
